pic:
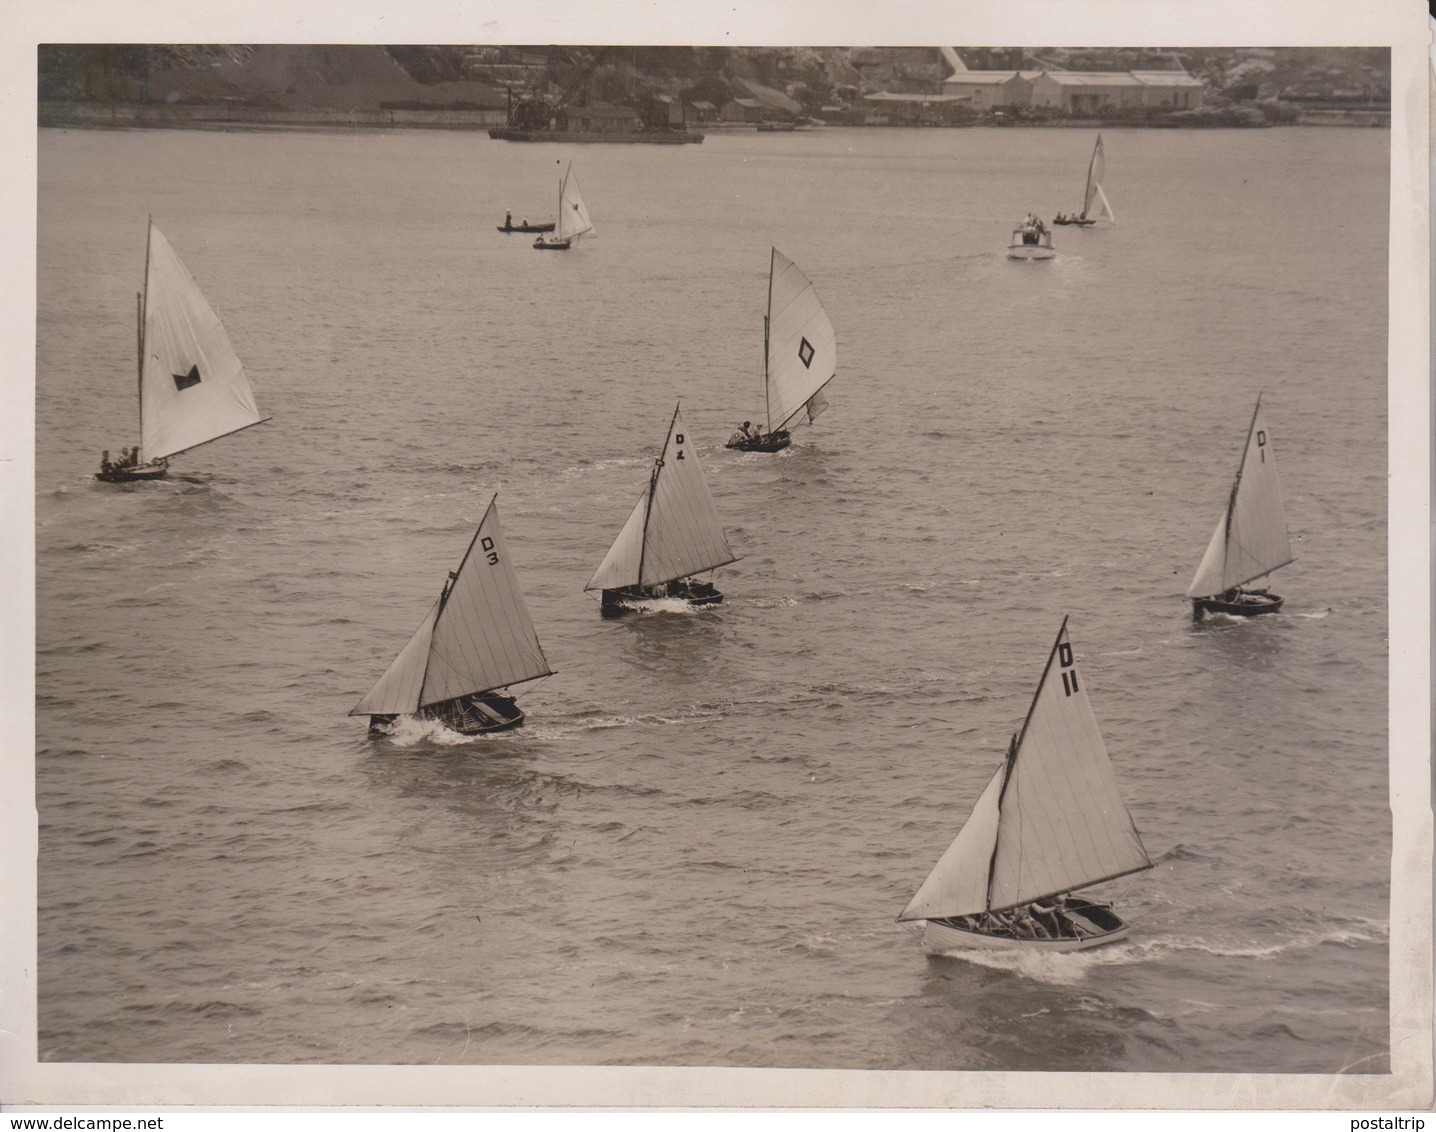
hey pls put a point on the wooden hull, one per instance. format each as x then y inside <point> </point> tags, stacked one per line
<point>135,473</point>
<point>773,442</point>
<point>1076,223</point>
<point>552,245</point>
<point>1246,604</point>
<point>616,603</point>
<point>468,715</point>
<point>529,227</point>
<point>1093,924</point>
<point>1030,251</point>
<point>644,137</point>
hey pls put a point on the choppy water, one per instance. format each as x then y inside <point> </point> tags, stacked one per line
<point>694,851</point>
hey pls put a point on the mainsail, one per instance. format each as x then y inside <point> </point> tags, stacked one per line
<point>674,530</point>
<point>1096,171</point>
<point>573,218</point>
<point>1050,821</point>
<point>802,349</point>
<point>477,637</point>
<point>192,386</point>
<point>1251,536</point>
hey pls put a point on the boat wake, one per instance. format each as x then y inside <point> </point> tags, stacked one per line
<point>673,605</point>
<point>411,731</point>
<point>1067,967</point>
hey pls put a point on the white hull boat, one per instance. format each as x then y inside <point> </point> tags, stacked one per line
<point>1050,821</point>
<point>1251,538</point>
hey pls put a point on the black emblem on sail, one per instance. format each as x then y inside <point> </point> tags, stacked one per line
<point>805,353</point>
<point>185,380</point>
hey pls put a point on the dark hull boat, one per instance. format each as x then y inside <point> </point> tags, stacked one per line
<point>549,227</point>
<point>192,387</point>
<point>800,357</point>
<point>476,641</point>
<point>1238,603</point>
<point>134,473</point>
<point>468,715</point>
<point>1251,538</point>
<point>772,442</point>
<point>672,533</point>
<point>1074,925</point>
<point>573,220</point>
<point>1093,196</point>
<point>1050,821</point>
<point>627,599</point>
<point>641,137</point>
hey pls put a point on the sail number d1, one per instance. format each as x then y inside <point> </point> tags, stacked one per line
<point>1069,673</point>
<point>1261,443</point>
<point>491,555</point>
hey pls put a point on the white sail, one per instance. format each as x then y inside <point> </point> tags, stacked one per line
<point>192,386</point>
<point>802,346</point>
<point>674,531</point>
<point>1251,538</point>
<point>621,564</point>
<point>1060,823</point>
<point>1096,171</point>
<point>397,691</point>
<point>1105,212</point>
<point>957,885</point>
<point>573,220</point>
<point>479,636</point>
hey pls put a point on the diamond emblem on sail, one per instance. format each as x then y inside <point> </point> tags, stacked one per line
<point>185,380</point>
<point>805,353</point>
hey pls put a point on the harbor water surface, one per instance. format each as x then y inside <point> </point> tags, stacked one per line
<point>694,851</point>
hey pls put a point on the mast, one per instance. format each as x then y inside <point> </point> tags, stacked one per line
<point>767,318</point>
<point>652,490</point>
<point>1236,485</point>
<point>142,302</point>
<point>448,588</point>
<point>1015,747</point>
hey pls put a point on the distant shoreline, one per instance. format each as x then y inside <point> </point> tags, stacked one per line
<point>88,115</point>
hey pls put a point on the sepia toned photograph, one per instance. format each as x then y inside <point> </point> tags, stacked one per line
<point>902,582</point>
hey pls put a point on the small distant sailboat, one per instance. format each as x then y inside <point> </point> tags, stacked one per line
<point>476,642</point>
<point>672,534</point>
<point>192,387</point>
<point>1093,194</point>
<point>1031,240</point>
<point>1051,821</point>
<point>1251,538</point>
<point>573,221</point>
<point>800,357</point>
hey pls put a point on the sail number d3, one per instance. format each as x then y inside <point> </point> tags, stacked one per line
<point>1069,673</point>
<point>491,555</point>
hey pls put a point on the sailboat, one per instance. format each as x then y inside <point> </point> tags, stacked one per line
<point>1093,194</point>
<point>1251,537</point>
<point>573,220</point>
<point>672,533</point>
<point>476,642</point>
<point>192,387</point>
<point>800,356</point>
<point>1050,822</point>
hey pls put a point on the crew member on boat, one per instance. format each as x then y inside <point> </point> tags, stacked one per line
<point>508,219</point>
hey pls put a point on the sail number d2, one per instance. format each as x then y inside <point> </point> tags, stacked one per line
<point>491,555</point>
<point>678,443</point>
<point>1069,673</point>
